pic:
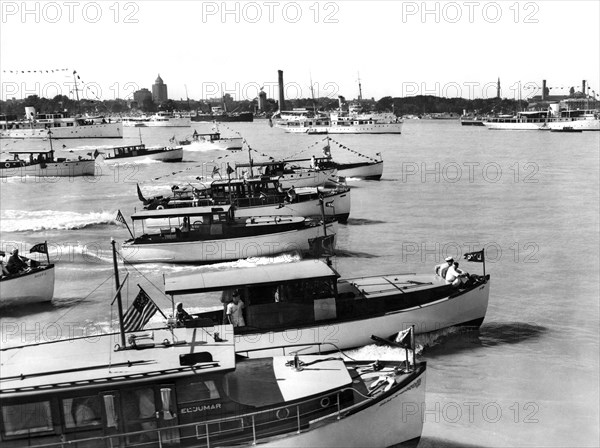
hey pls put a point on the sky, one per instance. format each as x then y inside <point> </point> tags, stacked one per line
<point>396,48</point>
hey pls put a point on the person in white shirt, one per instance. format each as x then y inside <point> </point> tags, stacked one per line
<point>442,269</point>
<point>234,311</point>
<point>455,276</point>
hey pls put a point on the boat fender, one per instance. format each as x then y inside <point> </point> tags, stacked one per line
<point>282,414</point>
<point>325,402</point>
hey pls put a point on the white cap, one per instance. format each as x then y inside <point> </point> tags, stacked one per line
<point>449,259</point>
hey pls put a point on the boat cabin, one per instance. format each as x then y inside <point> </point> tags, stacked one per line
<point>172,224</point>
<point>302,294</point>
<point>27,157</point>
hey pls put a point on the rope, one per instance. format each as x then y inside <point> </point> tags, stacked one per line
<point>352,151</point>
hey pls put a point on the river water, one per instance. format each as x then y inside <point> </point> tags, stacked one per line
<point>528,377</point>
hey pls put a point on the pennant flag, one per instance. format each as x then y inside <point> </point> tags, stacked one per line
<point>229,169</point>
<point>140,312</point>
<point>42,248</point>
<point>477,257</point>
<point>405,338</point>
<point>215,170</point>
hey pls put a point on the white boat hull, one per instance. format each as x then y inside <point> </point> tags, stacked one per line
<point>393,420</point>
<point>469,307</point>
<point>53,169</point>
<point>581,125</point>
<point>171,155</point>
<point>212,251</point>
<point>171,123</point>
<point>230,144</point>
<point>380,128</point>
<point>33,287</point>
<point>372,171</point>
<point>340,208</point>
<point>306,178</point>
<point>525,126</point>
<point>99,130</point>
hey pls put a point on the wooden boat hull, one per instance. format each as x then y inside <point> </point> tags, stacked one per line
<point>339,208</point>
<point>468,308</point>
<point>306,178</point>
<point>99,130</point>
<point>52,169</point>
<point>394,420</point>
<point>230,144</point>
<point>32,287</point>
<point>170,155</point>
<point>367,170</point>
<point>218,250</point>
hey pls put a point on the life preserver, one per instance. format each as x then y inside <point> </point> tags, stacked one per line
<point>326,401</point>
<point>7,165</point>
<point>160,207</point>
<point>282,413</point>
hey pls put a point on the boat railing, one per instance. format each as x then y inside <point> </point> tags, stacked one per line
<point>248,426</point>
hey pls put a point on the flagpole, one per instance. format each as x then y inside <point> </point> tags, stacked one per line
<point>119,301</point>
<point>483,256</point>
<point>414,345</point>
<point>47,254</point>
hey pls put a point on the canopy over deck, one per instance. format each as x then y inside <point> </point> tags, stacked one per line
<point>179,284</point>
<point>30,151</point>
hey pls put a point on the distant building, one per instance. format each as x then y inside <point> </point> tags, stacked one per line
<point>262,100</point>
<point>574,100</point>
<point>159,91</point>
<point>141,95</point>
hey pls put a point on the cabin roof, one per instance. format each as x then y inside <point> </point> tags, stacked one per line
<point>30,151</point>
<point>179,284</point>
<point>176,212</point>
<point>271,163</point>
<point>92,361</point>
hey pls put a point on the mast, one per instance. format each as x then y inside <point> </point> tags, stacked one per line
<point>312,93</point>
<point>187,97</point>
<point>118,287</point>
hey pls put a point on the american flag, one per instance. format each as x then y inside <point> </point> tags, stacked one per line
<point>140,312</point>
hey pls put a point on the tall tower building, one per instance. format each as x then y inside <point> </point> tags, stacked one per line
<point>159,91</point>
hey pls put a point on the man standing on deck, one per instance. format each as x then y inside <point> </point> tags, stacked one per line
<point>442,269</point>
<point>234,311</point>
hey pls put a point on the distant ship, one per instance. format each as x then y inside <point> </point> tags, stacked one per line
<point>35,125</point>
<point>218,114</point>
<point>161,120</point>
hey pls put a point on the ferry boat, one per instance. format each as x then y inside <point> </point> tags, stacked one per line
<point>161,119</point>
<point>585,120</point>
<point>306,302</point>
<point>42,163</point>
<point>354,121</point>
<point>212,234</point>
<point>218,114</point>
<point>133,153</point>
<point>35,284</point>
<point>575,119</point>
<point>62,126</point>
<point>186,387</point>
<point>258,197</point>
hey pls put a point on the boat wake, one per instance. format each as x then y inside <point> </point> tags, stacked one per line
<point>26,221</point>
<point>342,253</point>
<point>363,221</point>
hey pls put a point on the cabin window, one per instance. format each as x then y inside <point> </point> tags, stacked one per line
<point>81,412</point>
<point>27,418</point>
<point>201,391</point>
<point>69,124</point>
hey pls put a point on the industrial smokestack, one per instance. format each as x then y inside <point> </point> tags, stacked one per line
<point>544,90</point>
<point>583,88</point>
<point>281,97</point>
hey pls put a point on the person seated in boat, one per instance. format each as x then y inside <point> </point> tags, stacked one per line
<point>15,263</point>
<point>313,162</point>
<point>185,227</point>
<point>181,315</point>
<point>291,194</point>
<point>234,310</point>
<point>455,276</point>
<point>442,268</point>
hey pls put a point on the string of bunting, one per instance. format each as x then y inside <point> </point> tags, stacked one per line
<point>55,70</point>
<point>174,173</point>
<point>293,156</point>
<point>352,151</point>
